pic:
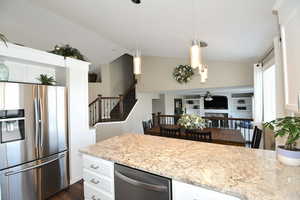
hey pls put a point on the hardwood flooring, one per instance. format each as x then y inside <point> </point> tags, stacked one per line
<point>74,192</point>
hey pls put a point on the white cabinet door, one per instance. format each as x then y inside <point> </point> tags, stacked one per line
<point>289,15</point>
<point>183,191</point>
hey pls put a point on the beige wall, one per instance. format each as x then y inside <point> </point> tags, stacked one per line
<point>157,75</point>
<point>121,75</point>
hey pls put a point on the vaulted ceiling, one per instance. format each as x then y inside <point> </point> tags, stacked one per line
<point>233,29</point>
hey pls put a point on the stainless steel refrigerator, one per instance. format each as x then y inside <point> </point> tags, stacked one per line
<point>33,141</point>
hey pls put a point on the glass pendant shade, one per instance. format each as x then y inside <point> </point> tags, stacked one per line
<point>137,63</point>
<point>195,54</point>
<point>203,72</point>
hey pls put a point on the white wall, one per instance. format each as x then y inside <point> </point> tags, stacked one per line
<point>133,124</point>
<point>157,75</point>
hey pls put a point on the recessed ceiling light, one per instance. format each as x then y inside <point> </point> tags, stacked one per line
<point>136,1</point>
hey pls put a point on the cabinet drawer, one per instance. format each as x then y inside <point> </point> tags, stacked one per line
<point>90,193</point>
<point>189,192</point>
<point>99,166</point>
<point>98,181</point>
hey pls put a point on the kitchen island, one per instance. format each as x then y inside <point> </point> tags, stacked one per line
<point>241,172</point>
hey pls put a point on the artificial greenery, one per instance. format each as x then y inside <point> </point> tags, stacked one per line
<point>287,126</point>
<point>46,80</point>
<point>68,51</point>
<point>3,38</point>
<point>191,121</point>
<point>183,73</point>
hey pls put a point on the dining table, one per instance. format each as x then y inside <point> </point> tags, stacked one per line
<point>219,135</point>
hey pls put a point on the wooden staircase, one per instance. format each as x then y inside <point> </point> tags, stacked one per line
<point>112,109</point>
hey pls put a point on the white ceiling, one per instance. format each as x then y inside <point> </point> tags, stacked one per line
<point>233,29</point>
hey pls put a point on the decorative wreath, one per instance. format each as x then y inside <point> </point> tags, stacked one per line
<point>183,73</point>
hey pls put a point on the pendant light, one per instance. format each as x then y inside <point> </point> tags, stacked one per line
<point>137,63</point>
<point>195,54</point>
<point>137,60</point>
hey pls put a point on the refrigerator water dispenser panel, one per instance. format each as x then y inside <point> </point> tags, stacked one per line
<point>12,125</point>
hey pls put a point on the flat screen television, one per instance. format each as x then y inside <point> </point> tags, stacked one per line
<point>218,103</point>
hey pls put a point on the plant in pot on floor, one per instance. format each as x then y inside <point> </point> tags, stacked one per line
<point>288,127</point>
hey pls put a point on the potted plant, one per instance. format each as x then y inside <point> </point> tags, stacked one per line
<point>68,51</point>
<point>46,80</point>
<point>288,127</point>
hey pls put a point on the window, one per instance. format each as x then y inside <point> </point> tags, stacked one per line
<point>269,93</point>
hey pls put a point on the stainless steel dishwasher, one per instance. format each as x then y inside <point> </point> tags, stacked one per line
<point>133,184</point>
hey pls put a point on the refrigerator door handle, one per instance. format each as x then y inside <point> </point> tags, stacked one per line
<point>41,124</point>
<point>10,173</point>
<point>36,122</point>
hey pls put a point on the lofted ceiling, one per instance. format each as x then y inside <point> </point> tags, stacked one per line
<point>233,29</point>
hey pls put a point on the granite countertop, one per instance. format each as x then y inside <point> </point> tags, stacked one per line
<point>246,173</point>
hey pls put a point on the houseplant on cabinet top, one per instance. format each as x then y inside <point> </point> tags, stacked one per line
<point>288,154</point>
<point>68,51</point>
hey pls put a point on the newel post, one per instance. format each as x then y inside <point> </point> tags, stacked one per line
<point>153,120</point>
<point>121,104</point>
<point>158,118</point>
<point>99,108</point>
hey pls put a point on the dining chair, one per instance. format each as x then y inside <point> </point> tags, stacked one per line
<point>170,132</point>
<point>146,125</point>
<point>197,135</point>
<point>256,138</point>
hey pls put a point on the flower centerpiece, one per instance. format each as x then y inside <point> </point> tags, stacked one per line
<point>183,73</point>
<point>191,121</point>
<point>288,127</point>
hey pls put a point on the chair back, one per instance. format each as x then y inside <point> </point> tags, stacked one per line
<point>198,135</point>
<point>170,132</point>
<point>257,134</point>
<point>147,125</point>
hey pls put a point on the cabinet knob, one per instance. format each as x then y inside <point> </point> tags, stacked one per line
<point>94,181</point>
<point>94,198</point>
<point>94,166</point>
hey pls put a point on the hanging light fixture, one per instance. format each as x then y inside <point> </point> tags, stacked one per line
<point>195,54</point>
<point>137,62</point>
<point>208,97</point>
<point>203,72</point>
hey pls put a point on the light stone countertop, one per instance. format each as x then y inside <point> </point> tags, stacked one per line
<point>246,173</point>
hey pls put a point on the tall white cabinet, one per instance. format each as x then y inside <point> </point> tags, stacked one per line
<point>289,19</point>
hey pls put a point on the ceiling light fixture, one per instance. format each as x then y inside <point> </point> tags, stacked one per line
<point>208,97</point>
<point>137,60</point>
<point>136,1</point>
<point>196,50</point>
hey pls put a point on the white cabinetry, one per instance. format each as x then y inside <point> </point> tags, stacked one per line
<point>98,178</point>
<point>289,19</point>
<point>183,191</point>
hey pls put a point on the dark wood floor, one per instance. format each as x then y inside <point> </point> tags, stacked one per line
<point>75,192</point>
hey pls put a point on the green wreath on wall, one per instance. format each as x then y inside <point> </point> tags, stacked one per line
<point>183,73</point>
